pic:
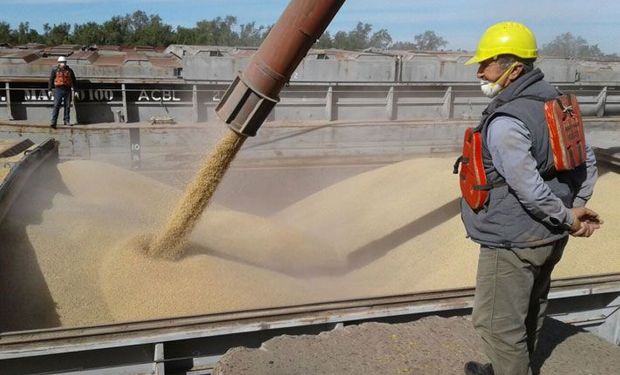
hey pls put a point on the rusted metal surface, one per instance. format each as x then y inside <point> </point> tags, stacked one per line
<point>195,64</point>
<point>33,63</point>
<point>254,93</point>
<point>12,148</point>
<point>328,85</point>
<point>221,63</point>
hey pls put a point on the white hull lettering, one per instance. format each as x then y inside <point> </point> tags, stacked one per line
<point>35,95</point>
<point>159,96</point>
<point>98,95</point>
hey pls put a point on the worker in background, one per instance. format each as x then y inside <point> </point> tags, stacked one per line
<point>62,81</point>
<point>531,209</point>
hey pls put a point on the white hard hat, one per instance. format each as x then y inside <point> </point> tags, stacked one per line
<point>62,59</point>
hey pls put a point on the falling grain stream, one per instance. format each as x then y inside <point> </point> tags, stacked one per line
<point>170,241</point>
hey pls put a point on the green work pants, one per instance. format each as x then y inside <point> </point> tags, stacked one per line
<point>511,298</point>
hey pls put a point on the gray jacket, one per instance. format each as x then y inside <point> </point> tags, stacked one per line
<point>531,208</point>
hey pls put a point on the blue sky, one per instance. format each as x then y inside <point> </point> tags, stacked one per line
<point>460,22</point>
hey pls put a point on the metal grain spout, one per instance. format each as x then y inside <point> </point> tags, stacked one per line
<point>253,94</point>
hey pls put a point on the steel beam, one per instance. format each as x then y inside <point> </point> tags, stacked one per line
<point>195,117</point>
<point>330,103</point>
<point>390,108</point>
<point>9,108</point>
<point>125,111</point>
<point>447,109</point>
<point>600,102</point>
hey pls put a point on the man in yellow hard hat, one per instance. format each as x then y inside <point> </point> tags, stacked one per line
<point>531,207</point>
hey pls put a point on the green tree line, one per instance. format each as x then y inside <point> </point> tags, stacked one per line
<point>140,29</point>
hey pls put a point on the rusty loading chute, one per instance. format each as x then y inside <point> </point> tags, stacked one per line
<point>244,107</point>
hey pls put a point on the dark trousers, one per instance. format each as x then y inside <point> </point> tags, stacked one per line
<point>510,303</point>
<point>62,96</point>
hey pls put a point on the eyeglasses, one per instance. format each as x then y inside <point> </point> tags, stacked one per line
<point>484,64</point>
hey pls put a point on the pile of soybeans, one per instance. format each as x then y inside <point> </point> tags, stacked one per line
<point>70,258</point>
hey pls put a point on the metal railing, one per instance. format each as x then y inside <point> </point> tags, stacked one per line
<point>196,103</point>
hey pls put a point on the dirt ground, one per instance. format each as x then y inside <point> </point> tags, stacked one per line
<point>428,346</point>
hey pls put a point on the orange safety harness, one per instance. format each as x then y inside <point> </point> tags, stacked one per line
<point>63,78</point>
<point>567,139</point>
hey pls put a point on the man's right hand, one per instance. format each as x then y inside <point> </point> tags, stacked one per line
<point>50,93</point>
<point>585,223</point>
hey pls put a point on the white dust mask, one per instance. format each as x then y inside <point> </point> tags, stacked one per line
<point>491,89</point>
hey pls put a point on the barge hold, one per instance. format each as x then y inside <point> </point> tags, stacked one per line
<point>336,257</point>
<point>192,342</point>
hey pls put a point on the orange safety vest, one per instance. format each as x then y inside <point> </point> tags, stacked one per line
<point>63,78</point>
<point>567,140</point>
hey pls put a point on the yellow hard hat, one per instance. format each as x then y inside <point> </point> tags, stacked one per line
<point>505,38</point>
